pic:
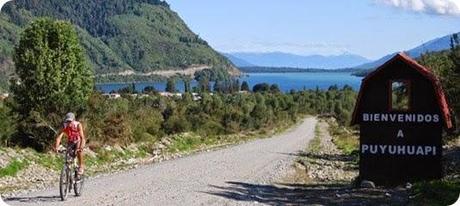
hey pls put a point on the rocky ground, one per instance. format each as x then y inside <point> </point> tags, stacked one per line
<point>326,162</point>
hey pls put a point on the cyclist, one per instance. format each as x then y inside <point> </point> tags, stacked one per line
<point>75,138</point>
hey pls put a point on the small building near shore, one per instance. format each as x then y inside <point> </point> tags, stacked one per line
<point>112,95</point>
<point>402,112</point>
<point>169,94</point>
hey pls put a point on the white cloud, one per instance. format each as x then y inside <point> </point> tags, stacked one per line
<point>2,2</point>
<point>439,7</point>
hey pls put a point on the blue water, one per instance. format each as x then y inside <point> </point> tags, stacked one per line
<point>286,81</point>
<point>299,81</point>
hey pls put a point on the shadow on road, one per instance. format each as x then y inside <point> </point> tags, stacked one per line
<point>300,194</point>
<point>33,199</point>
<point>348,160</point>
<point>329,157</point>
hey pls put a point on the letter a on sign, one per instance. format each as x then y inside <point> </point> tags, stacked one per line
<point>400,134</point>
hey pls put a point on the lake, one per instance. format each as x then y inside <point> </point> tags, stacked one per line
<point>286,81</point>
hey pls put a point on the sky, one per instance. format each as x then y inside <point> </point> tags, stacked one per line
<point>370,28</point>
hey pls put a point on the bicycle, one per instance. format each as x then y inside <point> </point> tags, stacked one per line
<point>69,178</point>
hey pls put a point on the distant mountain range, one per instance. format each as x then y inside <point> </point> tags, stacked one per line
<point>237,61</point>
<point>280,59</point>
<point>434,45</point>
<point>283,60</point>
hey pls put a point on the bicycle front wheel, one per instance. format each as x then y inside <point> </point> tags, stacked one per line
<point>78,185</point>
<point>64,183</point>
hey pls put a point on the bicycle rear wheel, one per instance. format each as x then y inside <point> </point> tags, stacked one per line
<point>64,183</point>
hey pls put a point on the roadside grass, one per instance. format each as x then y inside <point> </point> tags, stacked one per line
<point>50,161</point>
<point>13,167</point>
<point>344,139</point>
<point>188,142</point>
<point>314,145</point>
<point>105,155</point>
<point>436,192</point>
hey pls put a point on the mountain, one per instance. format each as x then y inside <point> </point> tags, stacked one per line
<point>279,59</point>
<point>140,36</point>
<point>434,45</point>
<point>258,69</point>
<point>237,61</point>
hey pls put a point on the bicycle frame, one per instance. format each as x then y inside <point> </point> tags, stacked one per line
<point>69,179</point>
<point>71,165</point>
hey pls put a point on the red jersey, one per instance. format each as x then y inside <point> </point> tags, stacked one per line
<point>72,130</point>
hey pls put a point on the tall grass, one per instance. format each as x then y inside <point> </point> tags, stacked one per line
<point>13,168</point>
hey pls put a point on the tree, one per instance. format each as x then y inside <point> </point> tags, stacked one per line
<point>245,86</point>
<point>453,78</point>
<point>6,125</point>
<point>130,89</point>
<point>262,87</point>
<point>150,90</point>
<point>274,88</point>
<point>259,113</point>
<point>53,79</point>
<point>187,86</point>
<point>235,85</point>
<point>203,85</point>
<point>218,86</point>
<point>171,85</point>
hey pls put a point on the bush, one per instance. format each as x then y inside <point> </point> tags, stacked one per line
<point>436,192</point>
<point>147,125</point>
<point>6,125</point>
<point>117,129</point>
<point>175,125</point>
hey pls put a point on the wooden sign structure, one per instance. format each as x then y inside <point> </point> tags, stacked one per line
<point>402,111</point>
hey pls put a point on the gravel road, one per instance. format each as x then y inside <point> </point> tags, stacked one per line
<point>201,179</point>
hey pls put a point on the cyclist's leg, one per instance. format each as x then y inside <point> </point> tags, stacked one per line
<point>81,162</point>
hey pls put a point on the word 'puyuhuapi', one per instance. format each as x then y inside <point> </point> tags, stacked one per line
<point>415,118</point>
<point>398,150</point>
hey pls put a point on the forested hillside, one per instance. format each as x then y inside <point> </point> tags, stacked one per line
<point>118,35</point>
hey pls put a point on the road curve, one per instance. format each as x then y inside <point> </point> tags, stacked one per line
<point>199,179</point>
